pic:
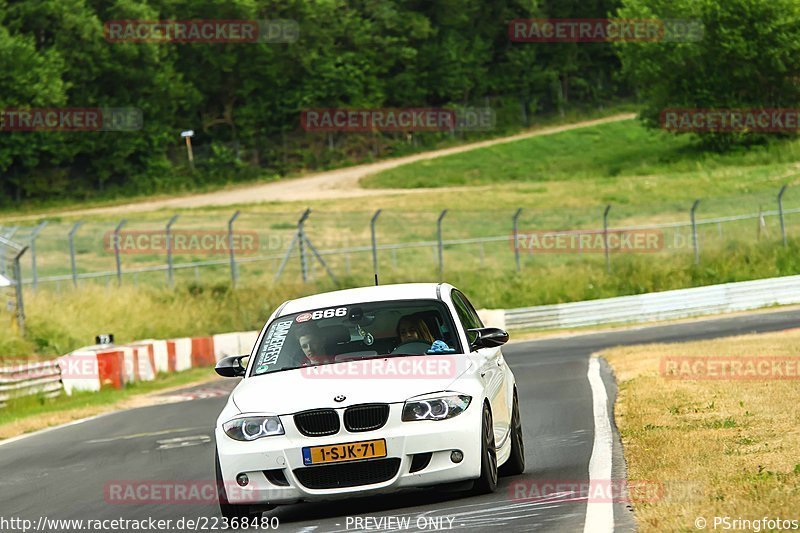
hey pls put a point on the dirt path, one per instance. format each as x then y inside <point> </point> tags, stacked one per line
<point>341,183</point>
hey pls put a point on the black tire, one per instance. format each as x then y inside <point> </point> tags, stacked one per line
<point>515,464</point>
<point>228,510</point>
<point>487,482</point>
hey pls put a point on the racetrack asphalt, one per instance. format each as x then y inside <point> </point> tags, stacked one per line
<point>65,473</point>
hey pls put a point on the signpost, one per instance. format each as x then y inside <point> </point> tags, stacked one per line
<point>188,134</point>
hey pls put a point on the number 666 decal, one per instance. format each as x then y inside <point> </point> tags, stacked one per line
<point>322,313</point>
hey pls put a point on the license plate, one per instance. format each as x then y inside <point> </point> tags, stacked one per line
<point>351,451</point>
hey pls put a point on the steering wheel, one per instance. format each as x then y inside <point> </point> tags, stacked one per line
<point>413,347</point>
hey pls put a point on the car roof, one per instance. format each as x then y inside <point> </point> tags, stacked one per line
<point>400,291</point>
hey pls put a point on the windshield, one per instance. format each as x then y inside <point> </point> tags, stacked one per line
<point>359,331</point>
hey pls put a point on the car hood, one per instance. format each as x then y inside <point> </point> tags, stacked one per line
<point>385,380</point>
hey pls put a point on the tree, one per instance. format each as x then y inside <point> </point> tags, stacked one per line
<point>748,57</point>
<point>28,79</point>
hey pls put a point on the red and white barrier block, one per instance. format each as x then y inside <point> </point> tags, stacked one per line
<point>238,343</point>
<point>94,367</point>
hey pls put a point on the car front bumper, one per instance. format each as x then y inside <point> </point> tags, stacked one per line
<point>261,459</point>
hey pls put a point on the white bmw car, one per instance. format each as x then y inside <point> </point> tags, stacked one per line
<point>367,391</point>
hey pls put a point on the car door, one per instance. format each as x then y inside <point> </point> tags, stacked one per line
<point>492,369</point>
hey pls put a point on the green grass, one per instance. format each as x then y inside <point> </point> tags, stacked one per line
<point>31,406</point>
<point>648,177</point>
<point>562,181</point>
<point>621,149</point>
<point>391,150</point>
<point>60,322</point>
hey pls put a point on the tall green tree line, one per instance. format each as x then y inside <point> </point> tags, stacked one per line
<point>244,100</point>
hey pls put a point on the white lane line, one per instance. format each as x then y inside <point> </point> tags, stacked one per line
<point>53,428</point>
<point>599,515</point>
<point>183,442</point>
<point>142,435</point>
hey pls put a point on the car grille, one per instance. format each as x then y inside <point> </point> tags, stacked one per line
<point>317,423</point>
<point>348,474</point>
<point>366,417</point>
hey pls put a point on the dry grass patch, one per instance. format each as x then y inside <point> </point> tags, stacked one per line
<point>724,447</point>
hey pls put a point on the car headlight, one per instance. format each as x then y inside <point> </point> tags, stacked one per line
<point>253,427</point>
<point>440,408</point>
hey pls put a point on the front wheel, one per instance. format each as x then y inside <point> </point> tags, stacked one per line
<point>487,482</point>
<point>516,461</point>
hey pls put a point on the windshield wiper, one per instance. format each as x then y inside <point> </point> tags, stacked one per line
<point>382,356</point>
<point>363,358</point>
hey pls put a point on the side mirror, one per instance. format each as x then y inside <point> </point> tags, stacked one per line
<point>488,338</point>
<point>231,367</point>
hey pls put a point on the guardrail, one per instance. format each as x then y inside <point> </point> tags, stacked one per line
<point>30,378</point>
<point>667,305</point>
<point>94,367</point>
<point>107,365</point>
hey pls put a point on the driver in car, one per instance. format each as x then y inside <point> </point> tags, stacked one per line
<point>313,345</point>
<point>411,328</point>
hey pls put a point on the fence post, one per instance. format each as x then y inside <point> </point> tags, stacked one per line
<point>374,241</point>
<point>116,250</point>
<point>321,261</point>
<point>605,237</point>
<point>34,234</point>
<point>9,235</point>
<point>441,246</point>
<point>516,240</point>
<point>301,236</point>
<point>780,212</point>
<point>72,252</point>
<point>230,248</point>
<point>170,278</point>
<point>18,289</point>
<point>694,233</point>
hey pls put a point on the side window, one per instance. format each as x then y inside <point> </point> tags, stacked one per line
<point>476,319</point>
<point>469,319</point>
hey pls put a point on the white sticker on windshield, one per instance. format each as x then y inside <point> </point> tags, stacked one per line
<point>272,348</point>
<point>322,313</point>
